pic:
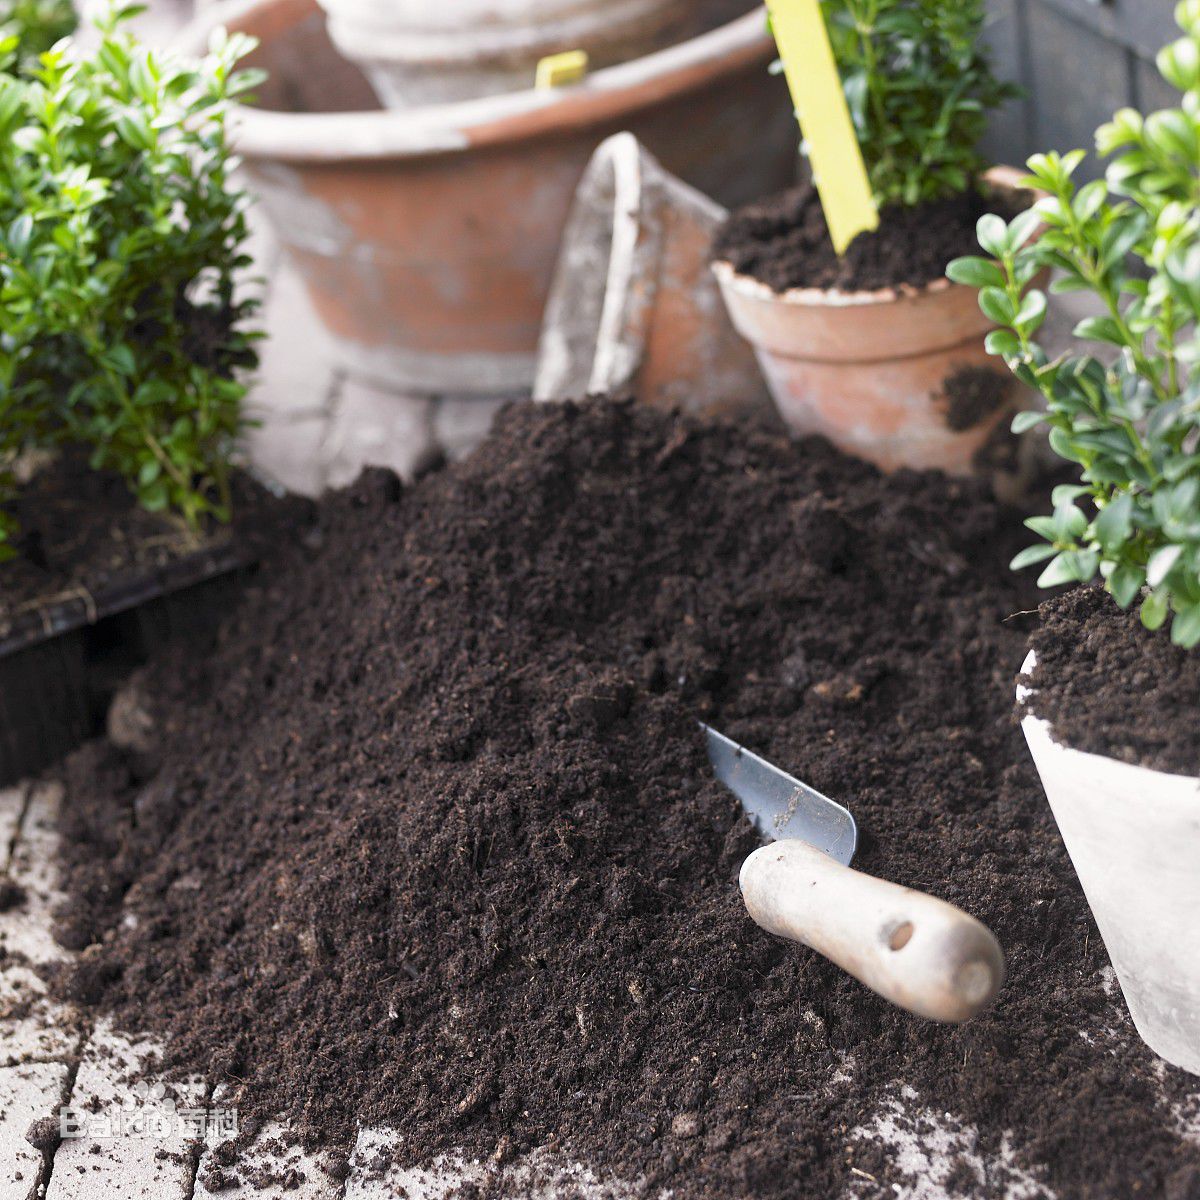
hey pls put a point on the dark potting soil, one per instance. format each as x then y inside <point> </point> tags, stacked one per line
<point>83,529</point>
<point>783,241</point>
<point>430,840</point>
<point>974,394</point>
<point>1108,685</point>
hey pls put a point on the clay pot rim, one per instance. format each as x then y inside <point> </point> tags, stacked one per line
<point>997,178</point>
<point>443,129</point>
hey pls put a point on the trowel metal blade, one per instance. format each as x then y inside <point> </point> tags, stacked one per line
<point>780,806</point>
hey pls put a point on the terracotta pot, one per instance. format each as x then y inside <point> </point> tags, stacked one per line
<point>634,307</point>
<point>1134,839</point>
<point>868,370</point>
<point>419,52</point>
<point>428,237</point>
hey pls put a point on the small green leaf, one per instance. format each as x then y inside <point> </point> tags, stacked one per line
<point>1125,583</point>
<point>997,306</point>
<point>1028,420</point>
<point>976,272</point>
<point>992,233</point>
<point>1115,522</point>
<point>1185,628</point>
<point>1003,342</point>
<point>1160,564</point>
<point>1154,610</point>
<point>1031,555</point>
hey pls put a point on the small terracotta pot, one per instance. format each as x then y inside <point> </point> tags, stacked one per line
<point>421,52</point>
<point>634,307</point>
<point>868,370</point>
<point>1133,835</point>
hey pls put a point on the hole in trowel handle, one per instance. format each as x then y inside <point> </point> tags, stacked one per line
<point>900,936</point>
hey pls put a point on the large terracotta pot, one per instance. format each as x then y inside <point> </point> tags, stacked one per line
<point>1133,835</point>
<point>428,237</point>
<point>869,370</point>
<point>420,52</point>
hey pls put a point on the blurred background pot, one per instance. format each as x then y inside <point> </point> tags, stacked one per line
<point>869,370</point>
<point>634,307</point>
<point>427,237</point>
<point>1134,838</point>
<point>423,52</point>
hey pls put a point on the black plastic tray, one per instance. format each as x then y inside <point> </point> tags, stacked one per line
<point>61,661</point>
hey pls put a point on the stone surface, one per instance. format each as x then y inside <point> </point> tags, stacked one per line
<point>28,1093</point>
<point>25,929</point>
<point>461,423</point>
<point>12,805</point>
<point>372,427</point>
<point>930,1148</point>
<point>32,1027</point>
<point>538,1177</point>
<point>278,1171</point>
<point>133,1141</point>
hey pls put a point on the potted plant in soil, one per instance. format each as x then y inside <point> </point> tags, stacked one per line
<point>120,340</point>
<point>1110,705</point>
<point>876,348</point>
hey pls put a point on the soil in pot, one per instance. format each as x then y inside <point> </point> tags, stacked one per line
<point>430,840</point>
<point>783,241</point>
<point>83,530</point>
<point>1109,686</point>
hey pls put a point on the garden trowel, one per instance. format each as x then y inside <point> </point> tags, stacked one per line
<point>918,952</point>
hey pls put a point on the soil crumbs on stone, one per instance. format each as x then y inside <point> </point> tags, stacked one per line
<point>1108,685</point>
<point>783,241</point>
<point>431,841</point>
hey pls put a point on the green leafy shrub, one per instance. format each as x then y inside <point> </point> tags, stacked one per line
<point>120,238</point>
<point>1129,417</point>
<point>919,86</point>
<point>36,24</point>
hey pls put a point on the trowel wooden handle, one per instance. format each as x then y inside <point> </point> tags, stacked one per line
<point>920,953</point>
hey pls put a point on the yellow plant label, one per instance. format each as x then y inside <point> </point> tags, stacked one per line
<point>558,70</point>
<point>833,150</point>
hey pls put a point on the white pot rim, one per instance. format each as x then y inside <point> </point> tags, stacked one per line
<point>1041,729</point>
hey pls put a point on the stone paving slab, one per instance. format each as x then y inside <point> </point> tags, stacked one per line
<point>12,805</point>
<point>267,1169</point>
<point>538,1177</point>
<point>28,1093</point>
<point>132,1140</point>
<point>25,928</point>
<point>33,1028</point>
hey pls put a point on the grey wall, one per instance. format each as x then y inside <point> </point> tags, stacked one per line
<point>1079,61</point>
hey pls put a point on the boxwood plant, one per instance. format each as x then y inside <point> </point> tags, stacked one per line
<point>920,87</point>
<point>1128,414</point>
<point>36,24</point>
<point>121,235</point>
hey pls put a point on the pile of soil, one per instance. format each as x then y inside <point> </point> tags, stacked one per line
<point>430,840</point>
<point>783,241</point>
<point>1107,685</point>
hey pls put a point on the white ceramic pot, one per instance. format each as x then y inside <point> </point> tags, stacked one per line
<point>422,52</point>
<point>1134,838</point>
